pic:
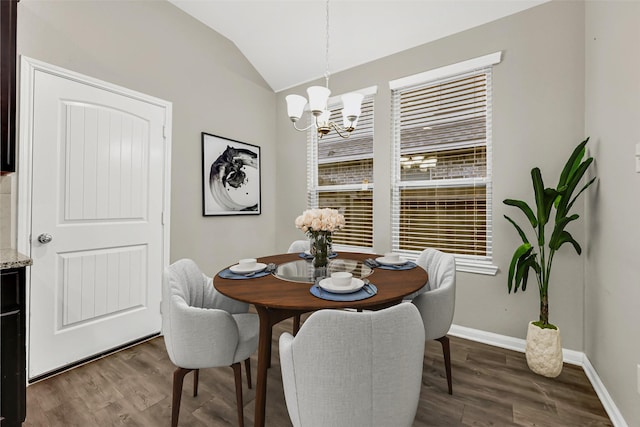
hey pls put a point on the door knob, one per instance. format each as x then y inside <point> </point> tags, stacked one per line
<point>45,238</point>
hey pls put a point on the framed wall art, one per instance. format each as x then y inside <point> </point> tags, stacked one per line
<point>230,177</point>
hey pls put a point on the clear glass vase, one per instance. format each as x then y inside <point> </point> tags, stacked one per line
<point>320,248</point>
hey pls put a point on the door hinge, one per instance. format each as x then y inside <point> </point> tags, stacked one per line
<point>164,131</point>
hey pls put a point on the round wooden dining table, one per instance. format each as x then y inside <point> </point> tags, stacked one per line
<point>276,299</point>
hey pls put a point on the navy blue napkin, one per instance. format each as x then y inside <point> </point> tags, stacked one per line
<point>372,263</point>
<point>308,256</point>
<point>406,266</point>
<point>358,295</point>
<point>228,274</point>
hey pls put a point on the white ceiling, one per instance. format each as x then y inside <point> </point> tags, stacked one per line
<point>285,40</point>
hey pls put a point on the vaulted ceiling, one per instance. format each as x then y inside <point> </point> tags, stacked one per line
<point>285,40</point>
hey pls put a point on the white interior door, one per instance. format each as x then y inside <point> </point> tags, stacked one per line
<point>98,174</point>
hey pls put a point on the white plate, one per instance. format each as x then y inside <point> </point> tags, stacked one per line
<point>243,270</point>
<point>327,285</point>
<point>384,261</point>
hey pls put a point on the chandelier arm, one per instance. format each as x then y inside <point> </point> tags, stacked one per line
<point>302,130</point>
<point>339,129</point>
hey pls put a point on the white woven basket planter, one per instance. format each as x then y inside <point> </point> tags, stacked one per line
<point>544,351</point>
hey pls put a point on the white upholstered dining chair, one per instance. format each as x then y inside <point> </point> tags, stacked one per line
<point>354,369</point>
<point>204,329</point>
<point>436,301</point>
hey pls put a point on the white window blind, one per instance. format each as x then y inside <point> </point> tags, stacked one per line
<point>441,174</point>
<point>340,176</point>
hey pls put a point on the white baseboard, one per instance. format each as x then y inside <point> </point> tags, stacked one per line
<point>569,356</point>
<point>603,394</point>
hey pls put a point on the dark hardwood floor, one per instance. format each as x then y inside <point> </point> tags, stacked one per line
<point>491,387</point>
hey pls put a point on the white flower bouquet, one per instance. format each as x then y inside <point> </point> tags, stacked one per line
<point>326,219</point>
<point>318,225</point>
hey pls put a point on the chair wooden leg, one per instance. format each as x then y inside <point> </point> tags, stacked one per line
<point>446,351</point>
<point>237,370</point>
<point>247,367</point>
<point>196,376</point>
<point>178,380</point>
<point>296,324</point>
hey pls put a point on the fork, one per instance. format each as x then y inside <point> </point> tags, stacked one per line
<point>366,286</point>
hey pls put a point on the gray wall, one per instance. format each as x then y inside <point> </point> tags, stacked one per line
<point>538,117</point>
<point>612,110</point>
<point>155,48</point>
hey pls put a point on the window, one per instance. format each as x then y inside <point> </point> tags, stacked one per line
<point>441,172</point>
<point>341,175</point>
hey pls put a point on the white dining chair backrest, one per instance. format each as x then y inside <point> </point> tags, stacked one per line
<point>436,301</point>
<point>298,246</point>
<point>354,369</point>
<point>197,322</point>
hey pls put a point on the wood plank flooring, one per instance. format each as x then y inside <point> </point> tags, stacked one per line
<point>491,387</point>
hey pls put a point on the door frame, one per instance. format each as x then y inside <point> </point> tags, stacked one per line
<point>28,69</point>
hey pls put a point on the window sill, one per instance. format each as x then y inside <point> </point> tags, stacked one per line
<point>476,267</point>
<point>464,264</point>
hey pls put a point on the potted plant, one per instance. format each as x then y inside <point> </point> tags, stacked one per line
<point>543,348</point>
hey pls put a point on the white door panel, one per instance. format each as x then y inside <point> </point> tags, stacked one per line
<point>98,188</point>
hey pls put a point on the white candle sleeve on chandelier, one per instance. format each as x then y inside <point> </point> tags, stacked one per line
<point>351,104</point>
<point>295,106</point>
<point>318,96</point>
<point>351,109</point>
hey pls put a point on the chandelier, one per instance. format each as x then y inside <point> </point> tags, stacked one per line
<point>318,99</point>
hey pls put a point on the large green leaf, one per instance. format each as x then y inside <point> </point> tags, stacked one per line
<point>524,207</point>
<point>580,192</point>
<point>562,208</point>
<point>544,202</point>
<point>525,278</point>
<point>565,237</point>
<point>550,195</point>
<point>522,252</point>
<point>559,228</point>
<point>538,189</point>
<point>520,232</point>
<point>572,164</point>
<point>522,270</point>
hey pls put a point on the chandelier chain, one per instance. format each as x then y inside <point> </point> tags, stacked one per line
<point>326,73</point>
<point>318,99</point>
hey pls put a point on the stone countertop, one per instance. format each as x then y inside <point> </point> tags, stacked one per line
<point>10,258</point>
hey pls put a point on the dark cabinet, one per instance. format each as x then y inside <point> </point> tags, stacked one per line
<point>13,393</point>
<point>8,22</point>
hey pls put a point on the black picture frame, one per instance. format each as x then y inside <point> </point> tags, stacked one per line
<point>231,182</point>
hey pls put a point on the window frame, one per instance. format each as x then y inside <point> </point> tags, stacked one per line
<point>314,189</point>
<point>467,263</point>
